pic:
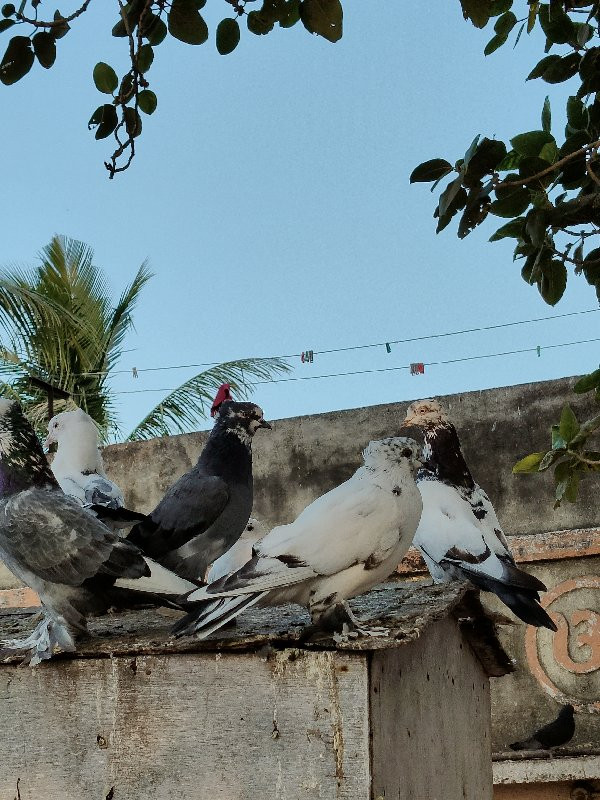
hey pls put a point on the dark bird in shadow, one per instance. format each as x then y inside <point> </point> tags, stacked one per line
<point>555,734</point>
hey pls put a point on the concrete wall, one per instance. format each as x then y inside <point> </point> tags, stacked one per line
<point>305,456</point>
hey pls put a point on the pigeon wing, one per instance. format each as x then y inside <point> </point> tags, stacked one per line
<point>44,532</point>
<point>100,491</point>
<point>188,509</point>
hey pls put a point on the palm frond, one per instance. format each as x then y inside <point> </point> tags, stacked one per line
<point>185,407</point>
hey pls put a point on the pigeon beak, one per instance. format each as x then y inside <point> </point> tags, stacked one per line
<point>47,442</point>
<point>409,421</point>
<point>264,424</point>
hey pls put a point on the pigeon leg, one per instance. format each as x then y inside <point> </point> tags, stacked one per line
<point>40,644</point>
<point>337,618</point>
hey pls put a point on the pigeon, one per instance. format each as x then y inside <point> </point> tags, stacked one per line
<point>205,512</point>
<point>79,469</point>
<point>555,734</point>
<point>459,534</point>
<point>341,545</point>
<point>240,553</point>
<point>57,548</point>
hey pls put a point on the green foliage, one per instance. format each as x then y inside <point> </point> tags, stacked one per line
<point>65,331</point>
<point>568,454</point>
<point>145,24</point>
<point>545,184</point>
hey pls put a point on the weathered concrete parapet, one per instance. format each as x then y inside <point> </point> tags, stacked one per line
<point>253,715</point>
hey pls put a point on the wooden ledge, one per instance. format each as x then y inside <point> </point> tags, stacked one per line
<point>405,609</point>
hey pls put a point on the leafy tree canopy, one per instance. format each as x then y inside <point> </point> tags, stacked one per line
<point>545,185</point>
<point>143,25</point>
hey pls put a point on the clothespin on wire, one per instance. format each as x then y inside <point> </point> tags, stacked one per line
<point>417,368</point>
<point>134,372</point>
<point>307,357</point>
<point>388,349</point>
<point>539,350</point>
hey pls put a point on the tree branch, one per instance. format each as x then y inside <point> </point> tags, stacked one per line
<point>552,167</point>
<point>56,23</point>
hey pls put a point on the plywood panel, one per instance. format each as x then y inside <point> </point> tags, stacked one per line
<point>430,716</point>
<point>190,727</point>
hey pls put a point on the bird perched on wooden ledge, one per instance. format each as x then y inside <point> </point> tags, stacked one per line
<point>340,546</point>
<point>554,734</point>
<point>459,534</point>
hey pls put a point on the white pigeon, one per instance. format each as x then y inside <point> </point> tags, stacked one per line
<point>240,553</point>
<point>459,534</point>
<point>340,546</point>
<point>77,464</point>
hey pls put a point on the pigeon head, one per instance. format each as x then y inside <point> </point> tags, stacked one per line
<point>384,453</point>
<point>71,425</point>
<point>425,414</point>
<point>242,419</point>
<point>22,460</point>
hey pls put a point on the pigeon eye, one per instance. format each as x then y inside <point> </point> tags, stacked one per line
<point>407,452</point>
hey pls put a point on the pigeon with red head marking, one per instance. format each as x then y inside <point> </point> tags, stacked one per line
<point>205,512</point>
<point>459,534</point>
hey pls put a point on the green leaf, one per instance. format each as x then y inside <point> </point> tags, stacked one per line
<point>535,226</point>
<point>478,11</point>
<point>44,47</point>
<point>591,267</point>
<point>17,60</point>
<point>8,10</point>
<point>228,36</point>
<point>577,114</point>
<point>528,464</point>
<point>259,23</point>
<point>572,486</point>
<point>549,153</point>
<point>498,7</point>
<point>470,152</point>
<point>531,166</point>
<point>510,161</point>
<point>291,14</point>
<point>483,161</point>
<point>154,29</point>
<point>532,15</point>
<point>323,17</point>
<point>546,115</point>
<point>431,170</point>
<point>186,22</point>
<point>126,89</point>
<point>494,43</point>
<point>588,382</point>
<point>458,202</point>
<point>133,121</point>
<point>147,101</point>
<point>541,67</point>
<point>530,144</point>
<point>553,282</point>
<point>448,195</point>
<point>557,25</point>
<point>5,24</point>
<point>550,458</point>
<point>563,69</point>
<point>145,57</point>
<point>62,29</point>
<point>512,229</point>
<point>505,23</point>
<point>558,443</point>
<point>105,120</point>
<point>511,200</point>
<point>105,78</point>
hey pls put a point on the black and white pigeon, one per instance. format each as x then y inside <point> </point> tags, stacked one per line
<point>340,546</point>
<point>79,469</point>
<point>206,511</point>
<point>459,534</point>
<point>555,734</point>
<point>74,562</point>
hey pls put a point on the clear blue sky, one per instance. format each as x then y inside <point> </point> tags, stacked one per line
<point>270,194</point>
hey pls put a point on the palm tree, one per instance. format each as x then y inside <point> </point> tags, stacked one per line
<point>65,338</point>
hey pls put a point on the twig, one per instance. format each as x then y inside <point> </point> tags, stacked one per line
<point>591,173</point>
<point>56,23</point>
<point>552,167</point>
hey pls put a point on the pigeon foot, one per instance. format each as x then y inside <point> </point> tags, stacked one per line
<point>40,645</point>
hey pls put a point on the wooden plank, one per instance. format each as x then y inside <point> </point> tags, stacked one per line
<point>430,720</point>
<point>207,726</point>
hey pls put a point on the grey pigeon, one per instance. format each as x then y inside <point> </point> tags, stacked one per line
<point>79,469</point>
<point>555,734</point>
<point>74,562</point>
<point>206,511</point>
<point>341,545</point>
<point>459,534</point>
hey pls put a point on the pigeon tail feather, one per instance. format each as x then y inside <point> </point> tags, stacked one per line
<point>524,604</point>
<point>215,615</point>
